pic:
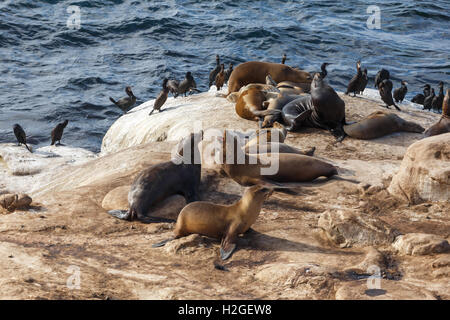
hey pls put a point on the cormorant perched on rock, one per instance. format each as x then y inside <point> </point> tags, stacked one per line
<point>188,84</point>
<point>420,98</point>
<point>283,59</point>
<point>173,87</point>
<point>162,97</point>
<point>220,78</point>
<point>353,85</point>
<point>214,72</point>
<point>20,135</point>
<point>437,101</point>
<point>58,132</point>
<point>399,93</point>
<point>363,82</point>
<point>125,103</point>
<point>383,74</point>
<point>385,90</point>
<point>428,100</point>
<point>228,72</point>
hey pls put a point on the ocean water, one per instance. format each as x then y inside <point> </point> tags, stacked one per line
<point>51,70</point>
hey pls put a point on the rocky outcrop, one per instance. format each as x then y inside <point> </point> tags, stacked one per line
<point>417,244</point>
<point>424,174</point>
<point>346,228</point>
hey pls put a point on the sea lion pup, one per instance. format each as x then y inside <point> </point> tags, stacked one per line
<point>381,75</point>
<point>385,90</point>
<point>443,125</point>
<point>163,180</point>
<point>58,132</point>
<point>363,82</point>
<point>437,101</point>
<point>272,168</point>
<point>249,105</point>
<point>256,72</point>
<point>173,87</point>
<point>214,72</point>
<point>162,97</point>
<point>355,82</point>
<point>20,135</point>
<point>283,58</point>
<point>400,93</point>
<point>378,124</point>
<point>220,77</point>
<point>420,98</point>
<point>228,72</point>
<point>187,85</point>
<point>125,103</point>
<point>11,202</point>
<point>223,222</point>
<point>270,82</point>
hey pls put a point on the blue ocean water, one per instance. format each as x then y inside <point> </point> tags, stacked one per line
<point>51,71</point>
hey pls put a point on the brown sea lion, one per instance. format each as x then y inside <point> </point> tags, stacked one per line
<point>272,168</point>
<point>278,147</point>
<point>11,202</point>
<point>223,222</point>
<point>378,124</point>
<point>256,72</point>
<point>249,105</point>
<point>443,125</point>
<point>292,88</point>
<point>163,180</point>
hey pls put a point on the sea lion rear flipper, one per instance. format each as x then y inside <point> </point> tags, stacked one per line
<point>120,214</point>
<point>162,243</point>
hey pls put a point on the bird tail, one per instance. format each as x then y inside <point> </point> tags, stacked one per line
<point>151,112</point>
<point>28,148</point>
<point>112,100</point>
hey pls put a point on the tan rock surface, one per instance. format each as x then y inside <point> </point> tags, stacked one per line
<point>283,257</point>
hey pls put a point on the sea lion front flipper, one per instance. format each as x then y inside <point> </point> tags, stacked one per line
<point>228,244</point>
<point>302,117</point>
<point>120,214</point>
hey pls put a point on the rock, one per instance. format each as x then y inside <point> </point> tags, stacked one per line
<point>116,199</point>
<point>346,229</point>
<point>388,290</point>
<point>424,174</point>
<point>441,262</point>
<point>373,258</point>
<point>418,244</point>
<point>11,202</point>
<point>185,245</point>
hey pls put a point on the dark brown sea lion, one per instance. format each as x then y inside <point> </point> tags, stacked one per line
<point>277,104</point>
<point>443,125</point>
<point>256,72</point>
<point>322,109</point>
<point>58,132</point>
<point>223,222</point>
<point>378,124</point>
<point>165,179</point>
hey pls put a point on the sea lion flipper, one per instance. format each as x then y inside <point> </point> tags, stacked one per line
<point>120,214</point>
<point>162,243</point>
<point>154,220</point>
<point>302,116</point>
<point>225,253</point>
<point>228,244</point>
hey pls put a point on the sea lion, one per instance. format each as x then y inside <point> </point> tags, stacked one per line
<point>58,132</point>
<point>443,125</point>
<point>399,93</point>
<point>277,147</point>
<point>378,124</point>
<point>355,82</point>
<point>276,104</point>
<point>223,222</point>
<point>162,97</point>
<point>220,77</point>
<point>249,105</point>
<point>11,202</point>
<point>248,169</point>
<point>214,72</point>
<point>165,179</point>
<point>20,136</point>
<point>125,103</point>
<point>323,109</point>
<point>256,72</point>
<point>277,134</point>
<point>292,88</point>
